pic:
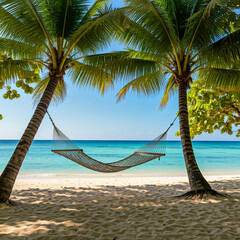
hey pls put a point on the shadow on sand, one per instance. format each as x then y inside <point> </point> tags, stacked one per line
<point>122,213</point>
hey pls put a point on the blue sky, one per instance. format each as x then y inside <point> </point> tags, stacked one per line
<point>87,115</point>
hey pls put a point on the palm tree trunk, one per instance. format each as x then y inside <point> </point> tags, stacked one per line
<point>9,175</point>
<point>196,180</point>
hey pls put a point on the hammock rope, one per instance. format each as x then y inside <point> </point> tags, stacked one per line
<point>65,147</point>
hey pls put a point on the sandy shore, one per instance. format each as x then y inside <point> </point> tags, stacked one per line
<point>120,208</point>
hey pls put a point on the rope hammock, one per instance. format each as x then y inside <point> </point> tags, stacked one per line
<point>65,147</point>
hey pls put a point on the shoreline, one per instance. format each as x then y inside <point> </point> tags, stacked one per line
<point>78,181</point>
<point>124,175</point>
<point>125,140</point>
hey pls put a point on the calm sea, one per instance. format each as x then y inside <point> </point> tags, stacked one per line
<point>213,157</point>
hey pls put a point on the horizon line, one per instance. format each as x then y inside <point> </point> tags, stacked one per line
<point>126,140</point>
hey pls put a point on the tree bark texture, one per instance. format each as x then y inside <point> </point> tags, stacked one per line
<point>9,175</point>
<point>196,180</point>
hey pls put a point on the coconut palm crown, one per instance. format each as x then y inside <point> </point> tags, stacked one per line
<point>56,35</point>
<point>169,43</point>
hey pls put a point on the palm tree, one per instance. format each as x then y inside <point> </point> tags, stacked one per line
<point>55,35</point>
<point>167,44</point>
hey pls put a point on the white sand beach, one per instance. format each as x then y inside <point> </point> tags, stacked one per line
<point>120,208</point>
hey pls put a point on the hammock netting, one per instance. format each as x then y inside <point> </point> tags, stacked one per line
<point>65,147</point>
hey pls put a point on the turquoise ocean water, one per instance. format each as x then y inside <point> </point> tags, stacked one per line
<point>213,157</point>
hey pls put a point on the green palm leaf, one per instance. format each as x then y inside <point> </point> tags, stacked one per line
<point>223,78</point>
<point>91,76</point>
<point>135,35</point>
<point>19,49</point>
<point>205,26</point>
<point>146,84</point>
<point>170,89</point>
<point>95,34</point>
<point>121,64</point>
<point>202,26</point>
<point>178,11</point>
<point>11,70</point>
<point>62,17</point>
<point>98,6</point>
<point>155,20</point>
<point>225,51</point>
<point>59,94</point>
<point>27,26</point>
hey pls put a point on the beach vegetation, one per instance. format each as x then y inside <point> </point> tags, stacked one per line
<point>170,44</point>
<point>16,74</point>
<point>212,109</point>
<point>55,35</point>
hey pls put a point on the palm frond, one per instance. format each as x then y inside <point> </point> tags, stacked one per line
<point>91,76</point>
<point>170,89</point>
<point>59,93</point>
<point>121,64</point>
<point>206,25</point>
<point>98,6</point>
<point>136,36</point>
<point>19,19</point>
<point>145,55</point>
<point>178,11</point>
<point>19,49</point>
<point>62,17</point>
<point>12,70</point>
<point>96,33</point>
<point>223,78</point>
<point>146,84</point>
<point>104,58</point>
<point>225,51</point>
<point>153,18</point>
